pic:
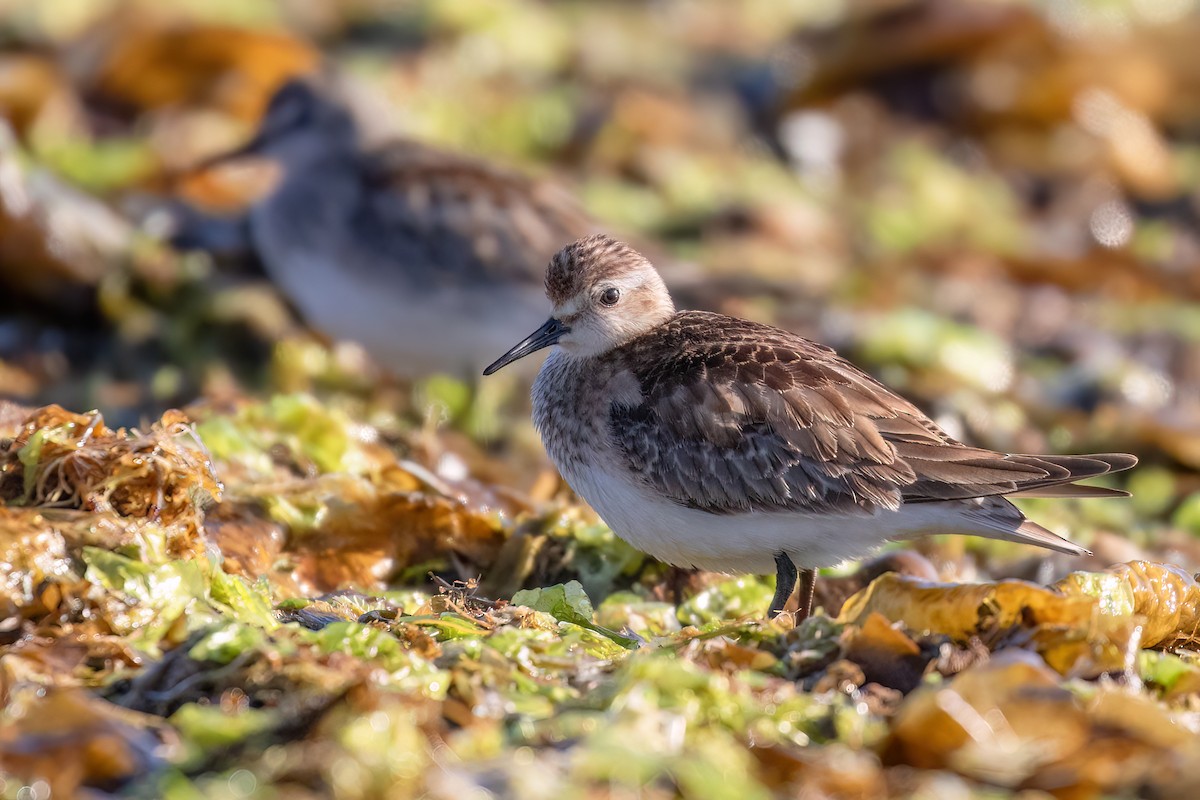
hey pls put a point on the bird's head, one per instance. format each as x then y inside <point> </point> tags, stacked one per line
<point>299,123</point>
<point>604,293</point>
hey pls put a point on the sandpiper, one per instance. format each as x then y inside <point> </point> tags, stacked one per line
<point>385,246</point>
<point>714,442</point>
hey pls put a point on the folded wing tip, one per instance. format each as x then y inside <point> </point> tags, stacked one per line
<point>1117,462</point>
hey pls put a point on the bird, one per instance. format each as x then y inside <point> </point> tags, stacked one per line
<point>385,245</point>
<point>718,443</point>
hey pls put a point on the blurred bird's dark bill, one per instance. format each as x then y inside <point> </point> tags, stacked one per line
<point>250,148</point>
<point>544,336</point>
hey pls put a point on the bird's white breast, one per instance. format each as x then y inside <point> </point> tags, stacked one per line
<point>412,331</point>
<point>741,542</point>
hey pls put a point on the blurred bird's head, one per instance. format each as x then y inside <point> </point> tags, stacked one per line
<point>604,293</point>
<point>299,123</point>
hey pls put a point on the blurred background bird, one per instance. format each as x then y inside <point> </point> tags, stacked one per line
<point>419,254</point>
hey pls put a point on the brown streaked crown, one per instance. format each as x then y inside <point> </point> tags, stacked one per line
<point>300,108</point>
<point>581,264</point>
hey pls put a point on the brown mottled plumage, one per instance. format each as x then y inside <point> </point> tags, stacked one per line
<point>759,418</point>
<point>711,441</point>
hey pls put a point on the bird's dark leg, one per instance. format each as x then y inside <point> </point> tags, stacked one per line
<point>785,581</point>
<point>677,580</point>
<point>808,587</point>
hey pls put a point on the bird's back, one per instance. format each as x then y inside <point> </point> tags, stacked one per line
<point>732,416</point>
<point>451,218</point>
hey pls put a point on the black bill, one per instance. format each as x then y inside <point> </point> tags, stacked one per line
<point>544,336</point>
<point>250,148</point>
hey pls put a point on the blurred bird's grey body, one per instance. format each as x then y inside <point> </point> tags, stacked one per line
<point>427,258</point>
<point>719,443</point>
<point>361,286</point>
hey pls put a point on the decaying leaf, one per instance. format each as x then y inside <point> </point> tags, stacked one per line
<point>887,656</point>
<point>1010,723</point>
<point>40,548</point>
<point>963,610</point>
<point>833,592</point>
<point>1001,722</point>
<point>830,771</point>
<point>65,460</point>
<point>1165,598</point>
<point>72,740</point>
<point>362,536</point>
<point>56,242</point>
<point>12,418</point>
<point>1086,623</point>
<point>144,62</point>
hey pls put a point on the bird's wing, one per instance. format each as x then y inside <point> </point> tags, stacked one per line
<point>451,218</point>
<point>735,416</point>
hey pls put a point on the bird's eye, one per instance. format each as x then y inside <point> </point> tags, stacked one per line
<point>611,296</point>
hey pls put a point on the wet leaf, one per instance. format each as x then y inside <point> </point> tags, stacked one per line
<point>733,598</point>
<point>646,618</point>
<point>568,603</point>
<point>227,641</point>
<point>69,460</point>
<point>315,434</point>
<point>1002,722</point>
<point>249,603</point>
<point>1171,673</point>
<point>160,595</point>
<point>207,727</point>
<point>886,655</point>
<point>360,536</point>
<point>960,611</point>
<point>407,670</point>
<point>1165,596</point>
<point>72,740</point>
<point>144,63</point>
